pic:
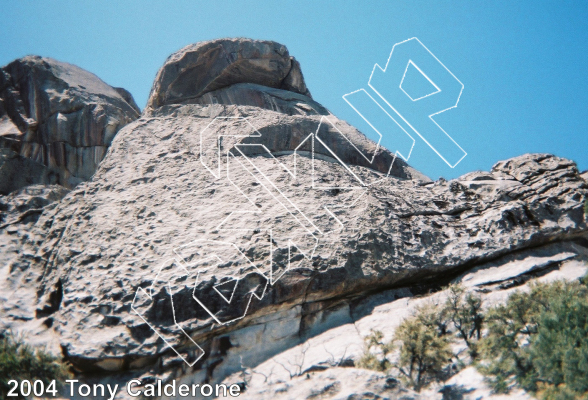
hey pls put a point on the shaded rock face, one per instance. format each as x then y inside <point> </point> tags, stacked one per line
<point>19,211</point>
<point>56,122</point>
<point>250,94</point>
<point>205,67</point>
<point>334,332</point>
<point>231,150</point>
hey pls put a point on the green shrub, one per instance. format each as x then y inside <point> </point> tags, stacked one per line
<point>424,348</point>
<point>369,359</point>
<point>540,340</point>
<point>464,311</point>
<point>422,343</point>
<point>434,317</point>
<point>19,361</point>
<point>550,392</point>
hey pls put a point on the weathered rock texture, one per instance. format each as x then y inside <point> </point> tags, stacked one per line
<point>74,276</point>
<point>206,67</point>
<point>343,325</point>
<point>56,122</point>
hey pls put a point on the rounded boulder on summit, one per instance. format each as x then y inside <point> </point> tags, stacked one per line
<point>332,231</point>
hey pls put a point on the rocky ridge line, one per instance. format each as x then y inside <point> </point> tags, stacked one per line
<point>73,274</point>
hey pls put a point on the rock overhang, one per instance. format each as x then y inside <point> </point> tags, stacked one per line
<point>207,66</point>
<point>151,192</point>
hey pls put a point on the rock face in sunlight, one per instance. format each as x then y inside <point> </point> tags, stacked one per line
<point>207,67</point>
<point>245,225</point>
<point>56,122</point>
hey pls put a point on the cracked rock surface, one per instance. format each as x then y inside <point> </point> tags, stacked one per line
<point>229,144</point>
<point>56,122</point>
<point>208,66</point>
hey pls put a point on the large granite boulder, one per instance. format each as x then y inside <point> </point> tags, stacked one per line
<point>206,67</point>
<point>233,226</point>
<point>56,122</point>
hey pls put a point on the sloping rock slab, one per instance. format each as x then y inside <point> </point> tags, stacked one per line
<point>152,194</point>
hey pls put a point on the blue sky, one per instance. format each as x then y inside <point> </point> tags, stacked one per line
<point>524,64</point>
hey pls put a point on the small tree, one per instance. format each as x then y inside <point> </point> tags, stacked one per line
<point>424,349</point>
<point>20,361</point>
<point>510,327</point>
<point>464,311</point>
<point>374,344</point>
<point>434,317</point>
<point>540,341</point>
<point>559,349</point>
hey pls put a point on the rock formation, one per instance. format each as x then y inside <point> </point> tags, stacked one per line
<point>321,234</point>
<point>206,67</point>
<point>56,122</point>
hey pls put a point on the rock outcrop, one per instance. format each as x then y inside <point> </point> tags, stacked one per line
<point>314,365</point>
<point>321,235</point>
<point>56,122</point>
<point>206,67</point>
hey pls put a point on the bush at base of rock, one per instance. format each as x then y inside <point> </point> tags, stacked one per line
<point>464,311</point>
<point>370,360</point>
<point>19,361</point>
<point>540,341</point>
<point>423,353</point>
<point>423,344</point>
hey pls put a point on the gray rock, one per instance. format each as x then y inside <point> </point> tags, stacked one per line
<point>125,94</point>
<point>208,66</point>
<point>152,195</point>
<point>19,214</point>
<point>192,179</point>
<point>335,383</point>
<point>343,344</point>
<point>18,172</point>
<point>250,94</point>
<point>523,264</point>
<point>58,116</point>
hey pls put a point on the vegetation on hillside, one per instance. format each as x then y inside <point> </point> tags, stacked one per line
<point>20,361</point>
<point>422,344</point>
<point>538,340</point>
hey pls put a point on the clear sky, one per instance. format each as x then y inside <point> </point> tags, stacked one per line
<point>524,64</point>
